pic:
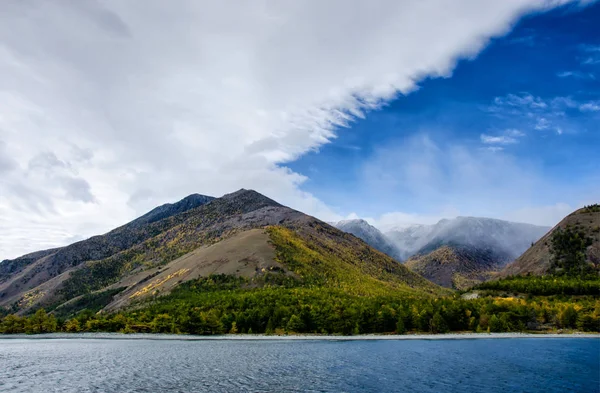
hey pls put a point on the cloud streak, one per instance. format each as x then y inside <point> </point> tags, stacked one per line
<point>109,108</point>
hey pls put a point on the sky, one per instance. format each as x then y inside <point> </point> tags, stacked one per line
<point>395,111</point>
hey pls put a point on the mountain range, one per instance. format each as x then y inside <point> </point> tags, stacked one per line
<point>242,234</point>
<point>455,252</point>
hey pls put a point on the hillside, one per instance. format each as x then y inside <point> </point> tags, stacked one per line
<point>372,236</point>
<point>243,234</point>
<point>537,260</point>
<point>26,273</point>
<point>458,267</point>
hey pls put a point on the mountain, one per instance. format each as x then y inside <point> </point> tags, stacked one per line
<point>506,238</point>
<point>27,272</point>
<point>243,234</point>
<point>465,250</point>
<point>370,235</point>
<point>458,267</point>
<point>171,209</point>
<point>583,225</point>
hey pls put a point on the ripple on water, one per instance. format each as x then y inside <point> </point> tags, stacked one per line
<point>92,365</point>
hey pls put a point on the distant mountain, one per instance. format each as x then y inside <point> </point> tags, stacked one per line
<point>537,260</point>
<point>243,234</point>
<point>507,239</point>
<point>465,250</point>
<point>370,235</point>
<point>458,267</point>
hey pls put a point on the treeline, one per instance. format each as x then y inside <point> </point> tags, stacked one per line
<point>40,322</point>
<point>595,208</point>
<point>221,304</point>
<point>544,285</point>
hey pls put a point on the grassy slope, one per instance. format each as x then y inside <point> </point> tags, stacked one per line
<point>345,265</point>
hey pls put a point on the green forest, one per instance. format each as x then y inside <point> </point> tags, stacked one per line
<point>224,304</point>
<point>328,296</point>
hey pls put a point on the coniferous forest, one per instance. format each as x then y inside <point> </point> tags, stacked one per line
<point>323,302</point>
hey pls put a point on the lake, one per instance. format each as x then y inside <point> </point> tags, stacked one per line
<point>154,365</point>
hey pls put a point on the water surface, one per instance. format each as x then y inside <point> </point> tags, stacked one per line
<point>483,365</point>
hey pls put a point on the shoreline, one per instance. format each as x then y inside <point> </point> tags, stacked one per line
<point>262,337</point>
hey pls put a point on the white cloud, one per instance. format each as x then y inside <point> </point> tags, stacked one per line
<point>499,140</point>
<point>508,137</point>
<point>523,100</point>
<point>576,74</point>
<point>592,106</point>
<point>146,104</point>
<point>538,112</point>
<point>513,132</point>
<point>542,124</point>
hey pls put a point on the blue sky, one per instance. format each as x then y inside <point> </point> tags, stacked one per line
<point>531,99</point>
<point>400,112</point>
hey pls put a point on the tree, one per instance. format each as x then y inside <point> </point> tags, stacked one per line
<point>567,317</point>
<point>72,326</point>
<point>213,323</point>
<point>495,325</point>
<point>568,249</point>
<point>12,324</point>
<point>588,323</point>
<point>400,329</point>
<point>295,324</point>
<point>40,322</point>
<point>234,328</point>
<point>438,324</point>
<point>162,323</point>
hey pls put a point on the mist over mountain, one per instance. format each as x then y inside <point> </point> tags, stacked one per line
<point>510,239</point>
<point>454,253</point>
<point>372,236</point>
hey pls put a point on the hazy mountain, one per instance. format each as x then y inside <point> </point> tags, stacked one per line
<point>537,259</point>
<point>463,251</point>
<point>507,239</point>
<point>243,234</point>
<point>371,235</point>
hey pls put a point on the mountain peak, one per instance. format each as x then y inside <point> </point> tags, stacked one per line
<point>169,209</point>
<point>249,196</point>
<point>357,221</point>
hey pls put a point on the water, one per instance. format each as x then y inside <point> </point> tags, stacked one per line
<point>483,365</point>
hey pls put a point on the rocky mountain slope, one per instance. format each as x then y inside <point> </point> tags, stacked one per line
<point>243,234</point>
<point>458,267</point>
<point>372,236</point>
<point>27,272</point>
<point>537,260</point>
